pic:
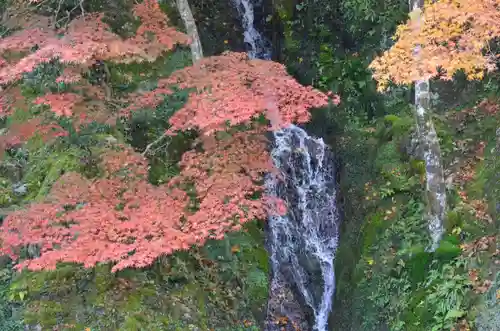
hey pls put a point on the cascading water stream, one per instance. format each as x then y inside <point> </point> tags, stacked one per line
<point>435,188</point>
<point>301,244</point>
<point>259,47</point>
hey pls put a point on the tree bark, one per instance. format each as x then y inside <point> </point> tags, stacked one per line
<point>196,49</point>
<point>435,188</point>
<point>190,25</point>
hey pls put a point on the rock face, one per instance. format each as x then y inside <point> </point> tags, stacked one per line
<point>302,244</point>
<point>219,26</point>
<point>284,308</point>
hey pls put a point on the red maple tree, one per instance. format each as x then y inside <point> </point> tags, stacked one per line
<point>79,45</point>
<point>233,89</point>
<point>88,39</point>
<point>82,43</point>
<point>122,218</point>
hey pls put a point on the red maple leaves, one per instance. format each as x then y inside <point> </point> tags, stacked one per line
<point>121,217</point>
<point>82,43</point>
<point>61,104</point>
<point>232,89</point>
<point>88,39</point>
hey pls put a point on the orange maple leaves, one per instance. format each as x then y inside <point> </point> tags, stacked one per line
<point>452,35</point>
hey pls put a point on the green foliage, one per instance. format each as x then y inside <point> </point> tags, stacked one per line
<point>142,76</point>
<point>409,288</point>
<point>396,284</point>
<point>148,127</point>
<point>9,319</point>
<point>316,19</point>
<point>223,282</point>
<point>341,40</point>
<point>45,166</point>
<point>47,162</point>
<point>372,21</point>
<point>348,76</point>
<point>42,80</point>
<point>446,295</point>
<point>7,196</point>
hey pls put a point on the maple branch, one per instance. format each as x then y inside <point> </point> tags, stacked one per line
<point>57,10</point>
<point>68,16</point>
<point>81,8</point>
<point>149,146</point>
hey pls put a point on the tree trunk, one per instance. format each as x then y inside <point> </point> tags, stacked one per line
<point>435,189</point>
<point>192,31</point>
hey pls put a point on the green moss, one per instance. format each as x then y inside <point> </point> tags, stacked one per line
<point>448,248</point>
<point>371,229</point>
<point>45,166</point>
<point>418,166</point>
<point>209,287</point>
<point>127,78</point>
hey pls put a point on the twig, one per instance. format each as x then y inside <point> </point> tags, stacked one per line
<point>81,8</point>
<point>67,18</point>
<point>6,13</point>
<point>148,147</point>
<point>57,10</point>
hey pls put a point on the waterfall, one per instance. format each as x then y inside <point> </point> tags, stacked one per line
<point>435,188</point>
<point>258,47</point>
<point>301,244</point>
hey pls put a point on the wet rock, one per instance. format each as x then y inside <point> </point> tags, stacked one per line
<point>19,189</point>
<point>412,147</point>
<point>285,311</point>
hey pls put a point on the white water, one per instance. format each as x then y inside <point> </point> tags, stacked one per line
<point>435,186</point>
<point>301,244</point>
<point>308,234</point>
<point>258,45</point>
